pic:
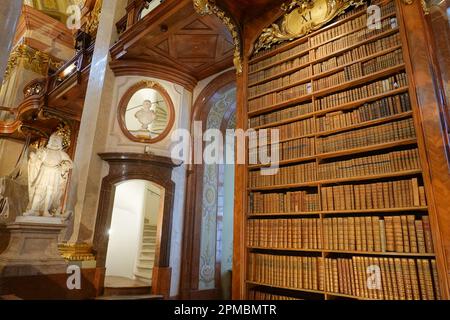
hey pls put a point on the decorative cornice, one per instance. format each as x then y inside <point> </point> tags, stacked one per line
<point>209,7</point>
<point>148,69</point>
<point>423,3</point>
<point>299,20</point>
<point>34,60</point>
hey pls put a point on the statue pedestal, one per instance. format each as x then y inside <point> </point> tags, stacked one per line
<point>33,248</point>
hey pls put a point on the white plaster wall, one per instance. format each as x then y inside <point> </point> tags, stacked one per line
<point>116,141</point>
<point>126,228</point>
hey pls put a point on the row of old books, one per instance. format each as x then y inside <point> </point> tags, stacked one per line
<point>278,83</point>
<point>384,107</point>
<point>287,271</point>
<point>360,69</point>
<point>384,133</point>
<point>362,92</point>
<point>352,39</point>
<point>286,175</point>
<point>292,149</point>
<point>261,295</point>
<point>284,233</point>
<point>379,63</point>
<point>280,115</point>
<point>396,161</point>
<point>279,69</point>
<point>295,201</point>
<point>279,97</point>
<point>380,195</point>
<point>357,53</point>
<point>359,21</point>
<point>295,129</point>
<point>374,234</point>
<point>383,278</point>
<point>298,49</point>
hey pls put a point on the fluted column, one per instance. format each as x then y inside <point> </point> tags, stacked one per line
<point>9,16</point>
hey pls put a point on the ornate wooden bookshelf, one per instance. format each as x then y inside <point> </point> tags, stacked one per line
<point>334,271</point>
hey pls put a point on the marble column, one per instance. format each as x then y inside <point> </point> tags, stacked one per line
<point>93,127</point>
<point>9,17</point>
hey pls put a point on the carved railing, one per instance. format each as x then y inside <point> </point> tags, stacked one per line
<point>39,91</point>
<point>136,10</point>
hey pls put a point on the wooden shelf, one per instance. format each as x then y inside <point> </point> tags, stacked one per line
<point>353,31</point>
<point>374,147</point>
<point>360,102</point>
<point>281,105</point>
<point>278,75</point>
<point>285,186</point>
<point>281,122</point>
<point>285,249</point>
<point>275,214</point>
<point>396,254</point>
<point>366,124</point>
<point>284,162</point>
<point>298,54</point>
<point>313,77</point>
<point>324,92</point>
<point>350,252</point>
<point>371,177</point>
<point>358,81</point>
<point>364,59</point>
<point>281,287</point>
<point>397,42</point>
<point>357,44</point>
<point>366,211</point>
<point>335,212</point>
<point>293,84</point>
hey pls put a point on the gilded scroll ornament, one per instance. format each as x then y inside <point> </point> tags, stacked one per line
<point>207,7</point>
<point>94,19</point>
<point>302,17</point>
<point>32,59</point>
<point>423,3</point>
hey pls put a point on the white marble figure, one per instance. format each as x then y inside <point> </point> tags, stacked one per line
<point>146,115</point>
<point>48,170</point>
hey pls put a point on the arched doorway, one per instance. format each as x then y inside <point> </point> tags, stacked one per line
<point>138,206</point>
<point>154,169</point>
<point>208,227</point>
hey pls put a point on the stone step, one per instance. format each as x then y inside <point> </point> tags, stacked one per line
<point>147,276</point>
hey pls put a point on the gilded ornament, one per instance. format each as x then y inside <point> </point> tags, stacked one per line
<point>208,7</point>
<point>302,17</point>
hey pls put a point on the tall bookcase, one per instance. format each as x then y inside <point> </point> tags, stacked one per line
<point>346,216</point>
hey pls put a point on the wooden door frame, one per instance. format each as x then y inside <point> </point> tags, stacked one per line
<point>194,186</point>
<point>134,166</point>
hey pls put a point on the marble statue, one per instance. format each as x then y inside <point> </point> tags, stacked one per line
<point>146,115</point>
<point>48,170</point>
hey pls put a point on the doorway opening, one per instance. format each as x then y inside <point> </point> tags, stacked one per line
<point>138,207</point>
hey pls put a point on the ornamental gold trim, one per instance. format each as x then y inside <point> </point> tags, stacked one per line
<point>94,19</point>
<point>209,7</point>
<point>301,18</point>
<point>76,251</point>
<point>34,60</point>
<point>423,3</point>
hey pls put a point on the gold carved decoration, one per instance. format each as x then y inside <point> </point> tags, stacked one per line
<point>94,19</point>
<point>423,3</point>
<point>34,60</point>
<point>76,251</point>
<point>208,7</point>
<point>302,17</point>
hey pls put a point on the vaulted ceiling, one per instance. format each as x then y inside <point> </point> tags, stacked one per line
<point>198,46</point>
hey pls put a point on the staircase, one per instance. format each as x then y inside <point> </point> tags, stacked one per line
<point>146,260</point>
